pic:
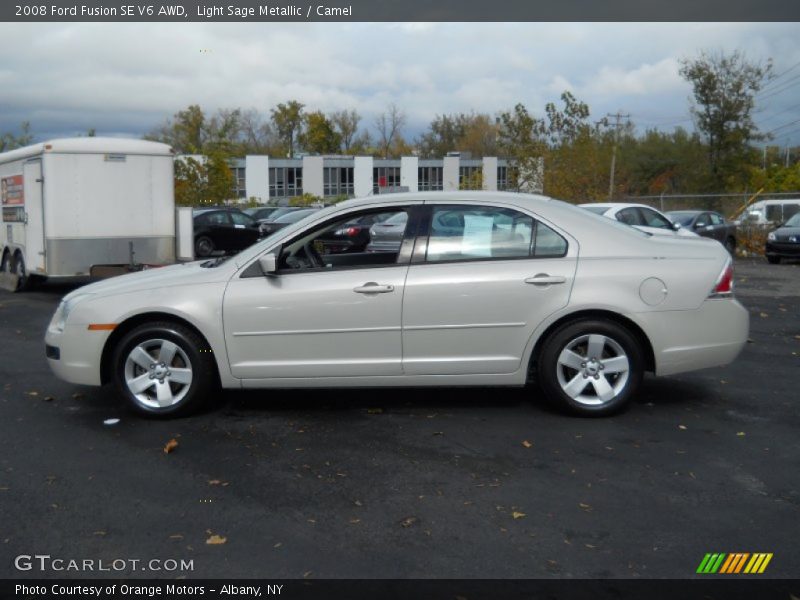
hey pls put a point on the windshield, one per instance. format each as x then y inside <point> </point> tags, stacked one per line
<point>684,218</point>
<point>598,210</point>
<point>794,221</point>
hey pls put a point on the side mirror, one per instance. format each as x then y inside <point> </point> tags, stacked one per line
<point>268,264</point>
<point>676,226</point>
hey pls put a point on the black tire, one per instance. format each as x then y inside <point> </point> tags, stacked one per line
<point>774,260</point>
<point>552,375</point>
<point>730,245</point>
<point>192,352</point>
<point>24,280</point>
<point>203,246</point>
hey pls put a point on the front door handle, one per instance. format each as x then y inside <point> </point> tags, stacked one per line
<point>545,279</point>
<point>373,288</point>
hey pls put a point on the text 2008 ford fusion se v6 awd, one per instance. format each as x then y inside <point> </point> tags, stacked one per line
<point>483,289</point>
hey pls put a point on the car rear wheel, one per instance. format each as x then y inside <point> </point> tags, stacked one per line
<point>164,370</point>
<point>23,281</point>
<point>773,260</point>
<point>203,246</point>
<point>590,367</point>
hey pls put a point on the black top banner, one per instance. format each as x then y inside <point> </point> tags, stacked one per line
<point>405,10</point>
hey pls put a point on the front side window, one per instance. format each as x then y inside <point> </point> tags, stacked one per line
<point>475,232</point>
<point>653,219</point>
<point>629,216</point>
<point>347,242</point>
<point>243,219</point>
<point>716,219</point>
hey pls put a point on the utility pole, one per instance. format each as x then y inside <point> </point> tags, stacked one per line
<point>619,116</point>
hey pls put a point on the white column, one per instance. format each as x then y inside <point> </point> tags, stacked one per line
<point>256,177</point>
<point>312,175</point>
<point>450,173</point>
<point>409,173</point>
<point>490,173</point>
<point>362,176</point>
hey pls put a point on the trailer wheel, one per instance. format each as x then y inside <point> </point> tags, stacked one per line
<point>23,281</point>
<point>203,246</point>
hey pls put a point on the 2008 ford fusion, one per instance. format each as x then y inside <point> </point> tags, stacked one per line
<point>484,289</point>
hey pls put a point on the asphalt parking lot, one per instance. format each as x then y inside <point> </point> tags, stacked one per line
<point>422,483</point>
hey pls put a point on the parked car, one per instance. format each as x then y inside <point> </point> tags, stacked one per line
<point>353,236</point>
<point>223,230</point>
<point>387,235</point>
<point>765,212</point>
<point>515,288</point>
<point>271,226</point>
<point>641,216</point>
<point>706,223</point>
<point>784,242</point>
<point>279,212</point>
<point>262,213</point>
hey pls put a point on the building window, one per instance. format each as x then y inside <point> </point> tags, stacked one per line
<point>239,189</point>
<point>385,177</point>
<point>470,178</point>
<point>285,182</point>
<point>338,181</point>
<point>429,179</point>
<point>502,178</point>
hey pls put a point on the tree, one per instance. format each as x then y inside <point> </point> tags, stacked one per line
<point>389,125</point>
<point>724,88</point>
<point>205,181</point>
<point>288,121</point>
<point>185,131</point>
<point>346,124</point>
<point>522,141</point>
<point>10,141</point>
<point>319,135</point>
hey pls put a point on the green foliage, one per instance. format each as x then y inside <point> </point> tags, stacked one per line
<point>346,123</point>
<point>724,88</point>
<point>473,133</point>
<point>304,200</point>
<point>319,135</point>
<point>10,141</point>
<point>199,182</point>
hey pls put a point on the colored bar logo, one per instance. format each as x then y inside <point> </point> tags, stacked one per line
<point>737,562</point>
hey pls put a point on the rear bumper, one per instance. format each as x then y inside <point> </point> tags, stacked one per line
<point>687,340</point>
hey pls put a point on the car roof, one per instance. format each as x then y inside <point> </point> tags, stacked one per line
<point>614,205</point>
<point>687,212</point>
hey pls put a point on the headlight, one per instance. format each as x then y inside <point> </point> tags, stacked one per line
<point>771,236</point>
<point>62,312</point>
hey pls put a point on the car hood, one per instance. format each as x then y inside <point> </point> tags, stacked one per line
<point>173,275</point>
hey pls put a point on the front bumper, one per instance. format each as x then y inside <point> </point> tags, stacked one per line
<point>783,249</point>
<point>80,352</point>
<point>687,340</point>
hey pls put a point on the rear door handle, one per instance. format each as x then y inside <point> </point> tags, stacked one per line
<point>545,279</point>
<point>373,288</point>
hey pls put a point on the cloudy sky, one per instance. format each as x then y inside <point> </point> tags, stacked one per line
<point>126,78</point>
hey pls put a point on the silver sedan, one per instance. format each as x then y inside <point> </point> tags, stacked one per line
<point>484,289</point>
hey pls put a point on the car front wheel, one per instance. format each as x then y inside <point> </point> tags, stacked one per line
<point>164,370</point>
<point>203,246</point>
<point>590,367</point>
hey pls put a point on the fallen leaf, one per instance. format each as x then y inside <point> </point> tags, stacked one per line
<point>763,315</point>
<point>374,411</point>
<point>518,515</point>
<point>176,536</point>
<point>307,574</point>
<point>408,521</point>
<point>586,507</point>
<point>49,398</point>
<point>110,421</point>
<point>99,532</point>
<point>32,393</point>
<point>526,443</point>
<point>77,395</point>
<point>741,433</point>
<point>170,446</point>
<point>278,545</point>
<point>355,521</point>
<point>438,433</point>
<point>216,540</point>
<point>682,427</point>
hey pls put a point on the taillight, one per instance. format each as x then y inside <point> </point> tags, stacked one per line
<point>348,231</point>
<point>724,285</point>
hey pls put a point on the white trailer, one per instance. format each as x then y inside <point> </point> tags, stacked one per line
<point>72,205</point>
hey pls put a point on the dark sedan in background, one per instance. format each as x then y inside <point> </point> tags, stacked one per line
<point>352,236</point>
<point>708,224</point>
<point>223,231</point>
<point>784,242</point>
<point>293,216</point>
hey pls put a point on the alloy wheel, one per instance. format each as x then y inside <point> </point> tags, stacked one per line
<point>593,369</point>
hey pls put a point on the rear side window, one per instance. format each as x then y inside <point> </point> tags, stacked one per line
<point>629,216</point>
<point>716,219</point>
<point>459,233</point>
<point>653,219</point>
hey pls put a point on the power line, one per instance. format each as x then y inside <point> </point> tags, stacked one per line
<point>777,77</point>
<point>785,86</point>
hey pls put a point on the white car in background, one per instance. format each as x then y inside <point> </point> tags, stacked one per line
<point>641,216</point>
<point>484,289</point>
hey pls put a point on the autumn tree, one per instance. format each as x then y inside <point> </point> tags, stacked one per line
<point>388,126</point>
<point>319,135</point>
<point>11,140</point>
<point>345,122</point>
<point>288,121</point>
<point>723,97</point>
